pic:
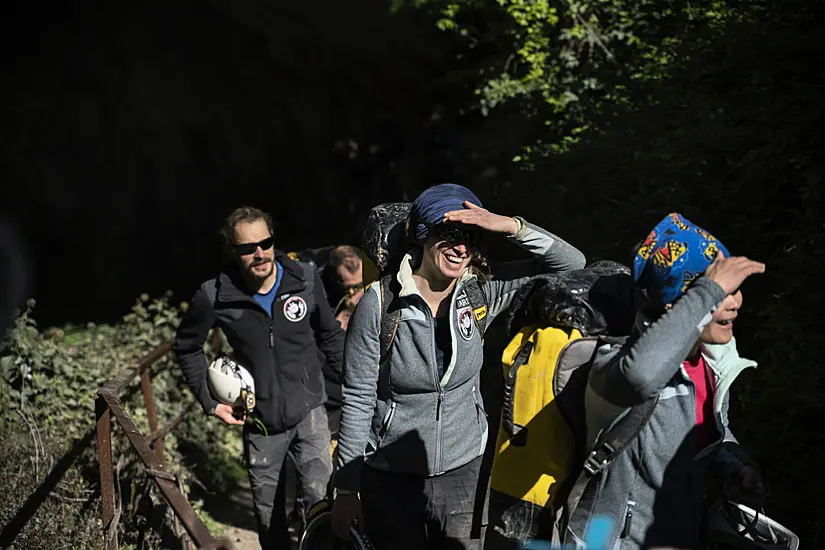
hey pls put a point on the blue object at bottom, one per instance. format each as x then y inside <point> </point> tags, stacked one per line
<point>597,537</point>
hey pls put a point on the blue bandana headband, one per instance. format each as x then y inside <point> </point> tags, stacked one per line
<point>674,254</point>
<point>429,207</point>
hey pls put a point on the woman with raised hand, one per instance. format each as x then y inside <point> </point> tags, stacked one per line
<point>413,428</point>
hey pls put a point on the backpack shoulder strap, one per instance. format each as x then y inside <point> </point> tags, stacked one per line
<point>210,288</point>
<point>609,445</point>
<point>309,274</point>
<point>516,432</point>
<point>389,319</point>
<point>478,301</point>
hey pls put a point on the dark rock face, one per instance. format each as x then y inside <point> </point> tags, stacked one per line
<point>130,131</point>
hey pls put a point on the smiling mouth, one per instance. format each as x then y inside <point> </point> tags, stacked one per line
<point>455,259</point>
<point>726,322</point>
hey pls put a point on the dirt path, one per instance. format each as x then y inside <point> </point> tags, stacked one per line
<point>243,539</point>
<point>235,513</point>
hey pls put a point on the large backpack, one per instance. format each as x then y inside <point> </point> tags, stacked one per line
<point>543,462</point>
<point>384,241</point>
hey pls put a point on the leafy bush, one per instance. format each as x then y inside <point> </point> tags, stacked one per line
<point>48,380</point>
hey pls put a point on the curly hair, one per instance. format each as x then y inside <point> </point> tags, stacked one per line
<point>479,265</point>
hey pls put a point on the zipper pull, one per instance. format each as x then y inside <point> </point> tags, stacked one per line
<point>438,408</point>
<point>271,338</point>
<point>627,519</point>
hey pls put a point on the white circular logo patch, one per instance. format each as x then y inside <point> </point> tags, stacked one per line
<point>295,309</point>
<point>465,323</point>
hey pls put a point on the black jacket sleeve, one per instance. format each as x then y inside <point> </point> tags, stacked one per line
<point>191,335</point>
<point>329,335</point>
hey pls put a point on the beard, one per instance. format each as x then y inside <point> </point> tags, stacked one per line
<point>261,275</point>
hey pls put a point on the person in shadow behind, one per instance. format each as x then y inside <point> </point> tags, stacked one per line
<point>683,354</point>
<point>424,387</point>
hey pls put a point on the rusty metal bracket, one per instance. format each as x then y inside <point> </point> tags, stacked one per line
<point>160,474</point>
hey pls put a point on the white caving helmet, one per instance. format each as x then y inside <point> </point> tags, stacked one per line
<point>230,383</point>
<point>731,525</point>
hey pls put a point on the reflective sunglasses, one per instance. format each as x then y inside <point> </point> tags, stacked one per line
<point>249,248</point>
<point>456,235</point>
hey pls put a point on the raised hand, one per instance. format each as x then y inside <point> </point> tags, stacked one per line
<point>730,273</point>
<point>483,219</point>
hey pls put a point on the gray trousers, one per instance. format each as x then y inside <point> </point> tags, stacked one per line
<point>307,444</point>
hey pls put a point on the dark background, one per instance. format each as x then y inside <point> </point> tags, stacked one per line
<point>130,130</point>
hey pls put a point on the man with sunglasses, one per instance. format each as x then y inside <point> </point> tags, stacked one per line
<point>345,272</point>
<point>344,280</point>
<point>275,316</point>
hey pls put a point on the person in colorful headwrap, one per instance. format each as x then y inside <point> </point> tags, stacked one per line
<point>413,428</point>
<point>683,352</point>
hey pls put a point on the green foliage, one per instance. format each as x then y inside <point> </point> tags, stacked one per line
<point>47,384</point>
<point>559,63</point>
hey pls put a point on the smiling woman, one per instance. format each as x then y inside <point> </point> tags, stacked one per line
<point>681,360</point>
<point>426,431</point>
<point>447,221</point>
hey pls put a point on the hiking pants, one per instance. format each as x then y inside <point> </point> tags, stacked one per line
<point>408,512</point>
<point>308,446</point>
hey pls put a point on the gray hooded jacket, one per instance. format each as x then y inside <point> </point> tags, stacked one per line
<point>653,490</point>
<point>401,417</point>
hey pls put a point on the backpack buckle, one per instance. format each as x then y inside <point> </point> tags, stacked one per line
<point>597,460</point>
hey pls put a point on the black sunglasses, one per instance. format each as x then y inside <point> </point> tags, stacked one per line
<point>249,248</point>
<point>456,235</point>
